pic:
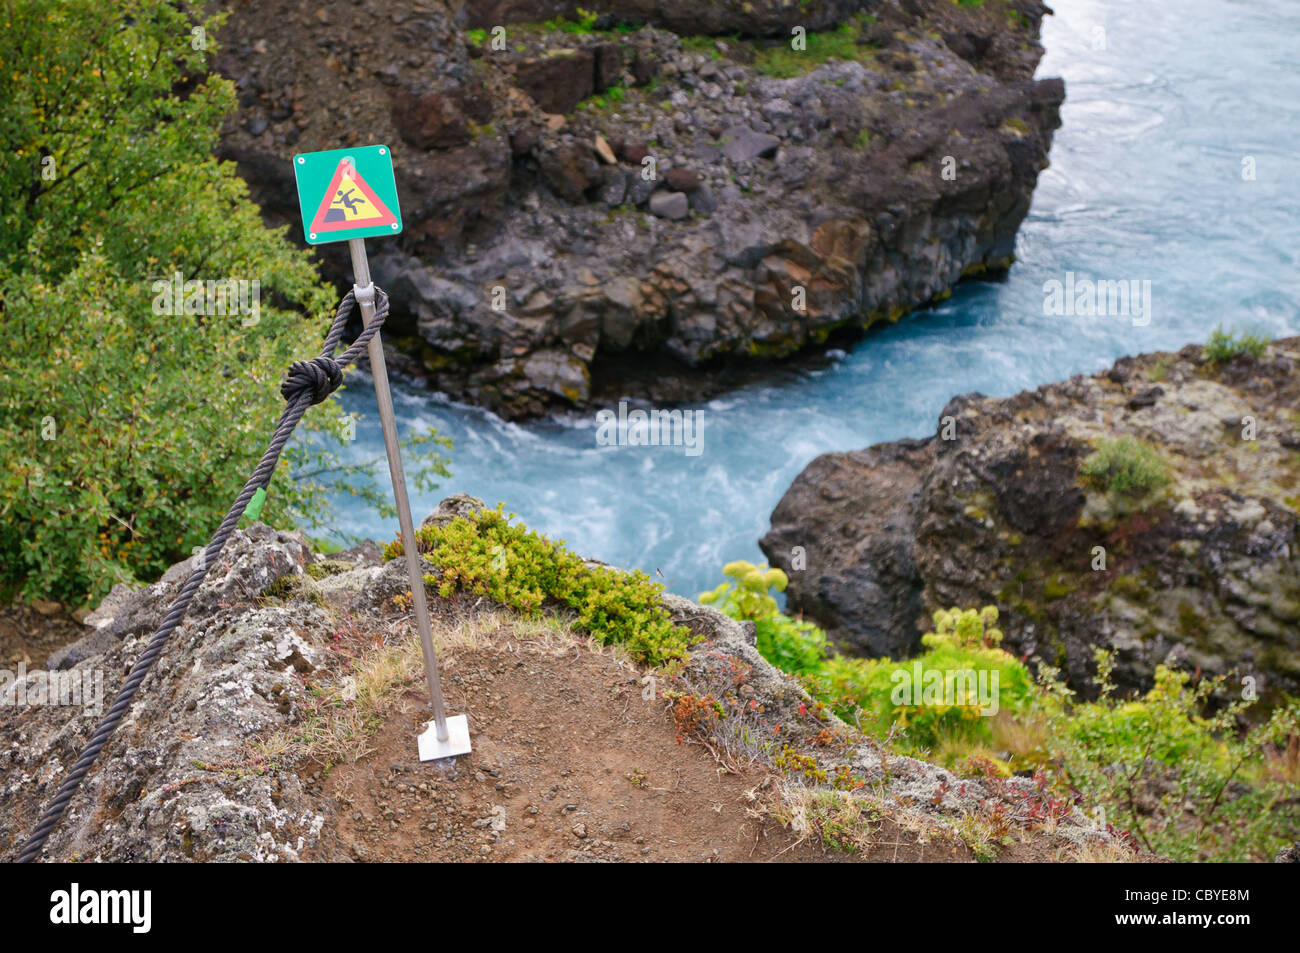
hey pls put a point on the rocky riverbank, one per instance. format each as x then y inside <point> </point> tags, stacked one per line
<point>279,724</point>
<point>1183,549</point>
<point>663,200</point>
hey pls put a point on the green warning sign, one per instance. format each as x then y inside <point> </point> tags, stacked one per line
<point>347,193</point>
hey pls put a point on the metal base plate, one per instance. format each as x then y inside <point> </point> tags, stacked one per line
<point>431,749</point>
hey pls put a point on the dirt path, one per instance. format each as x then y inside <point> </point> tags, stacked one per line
<point>570,763</point>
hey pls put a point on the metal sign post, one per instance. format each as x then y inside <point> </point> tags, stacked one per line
<point>348,194</point>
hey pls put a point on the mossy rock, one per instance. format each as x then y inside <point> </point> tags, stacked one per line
<point>328,567</point>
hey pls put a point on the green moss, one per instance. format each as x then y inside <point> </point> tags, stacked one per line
<point>843,43</point>
<point>1190,622</point>
<point>704,44</point>
<point>293,586</point>
<point>328,567</point>
<point>584,25</point>
<point>1057,587</point>
<point>1131,587</point>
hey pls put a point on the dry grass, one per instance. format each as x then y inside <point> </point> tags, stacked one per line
<point>378,665</point>
<point>1024,736</point>
<point>1095,851</point>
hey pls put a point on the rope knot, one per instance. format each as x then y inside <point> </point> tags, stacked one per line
<point>321,376</point>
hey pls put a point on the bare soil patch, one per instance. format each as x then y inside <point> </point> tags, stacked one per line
<point>570,763</point>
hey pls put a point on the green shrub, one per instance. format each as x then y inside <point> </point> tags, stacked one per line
<point>125,434</point>
<point>792,645</point>
<point>866,691</point>
<point>1188,787</point>
<point>1125,466</point>
<point>931,704</point>
<point>487,554</point>
<point>586,23</point>
<point>1222,346</point>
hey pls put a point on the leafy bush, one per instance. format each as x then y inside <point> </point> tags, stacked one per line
<point>1222,346</point>
<point>1188,787</point>
<point>865,691</point>
<point>585,24</point>
<point>126,433</point>
<point>932,703</point>
<point>1125,466</point>
<point>792,645</point>
<point>485,553</point>
<point>748,597</point>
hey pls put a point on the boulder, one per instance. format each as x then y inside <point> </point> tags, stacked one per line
<point>1202,572</point>
<point>670,205</point>
<point>559,81</point>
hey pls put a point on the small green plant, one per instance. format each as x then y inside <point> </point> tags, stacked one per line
<point>792,645</point>
<point>585,24</point>
<point>1222,346</point>
<point>487,554</point>
<point>1125,466</point>
<point>748,598</point>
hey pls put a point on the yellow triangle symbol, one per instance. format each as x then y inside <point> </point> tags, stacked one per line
<point>351,202</point>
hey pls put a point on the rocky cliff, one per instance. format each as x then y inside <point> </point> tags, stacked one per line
<point>661,201</point>
<point>279,724</point>
<point>1193,561</point>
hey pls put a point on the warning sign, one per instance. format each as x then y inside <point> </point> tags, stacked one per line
<point>347,193</point>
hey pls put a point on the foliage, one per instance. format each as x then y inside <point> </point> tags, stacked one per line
<point>1222,346</point>
<point>586,23</point>
<point>487,554</point>
<point>864,690</point>
<point>1125,466</point>
<point>748,598</point>
<point>126,432</point>
<point>781,60</point>
<point>1189,787</point>
<point>933,701</point>
<point>792,645</point>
